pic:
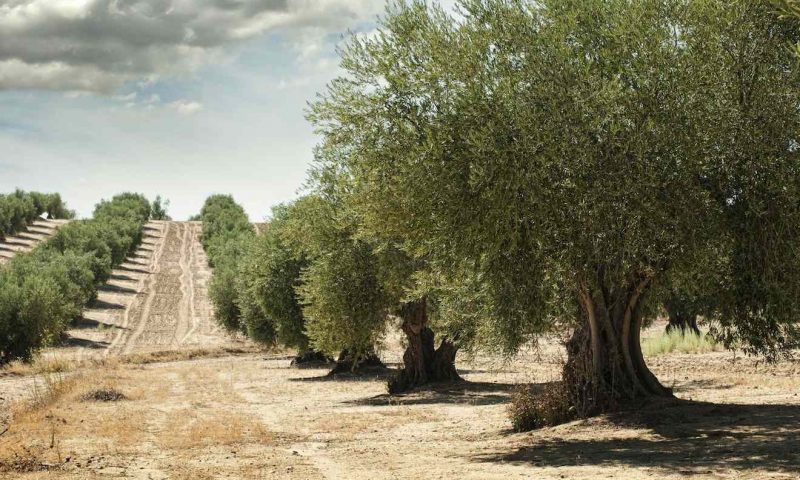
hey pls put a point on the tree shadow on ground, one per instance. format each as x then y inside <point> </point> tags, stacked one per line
<point>370,374</point>
<point>101,305</point>
<point>32,236</point>
<point>132,269</point>
<point>136,261</point>
<point>87,323</point>
<point>18,243</point>
<point>108,288</point>
<point>69,341</point>
<point>122,278</point>
<point>704,384</point>
<point>454,393</point>
<point>685,437</point>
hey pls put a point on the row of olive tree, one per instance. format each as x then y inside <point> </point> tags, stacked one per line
<point>524,167</point>
<point>43,291</point>
<point>569,163</point>
<point>226,231</point>
<point>254,287</point>
<point>20,209</point>
<point>310,282</point>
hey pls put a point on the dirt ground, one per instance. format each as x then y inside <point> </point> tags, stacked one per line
<point>231,412</point>
<point>26,241</point>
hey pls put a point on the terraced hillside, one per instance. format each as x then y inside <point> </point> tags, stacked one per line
<point>155,301</point>
<point>36,233</point>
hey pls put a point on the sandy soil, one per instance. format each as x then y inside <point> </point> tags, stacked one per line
<point>36,233</point>
<point>253,416</point>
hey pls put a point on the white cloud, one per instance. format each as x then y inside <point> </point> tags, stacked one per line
<point>186,107</point>
<point>99,45</point>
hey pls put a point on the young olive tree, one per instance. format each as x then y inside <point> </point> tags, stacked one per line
<point>271,273</point>
<point>578,154</point>
<point>343,300</point>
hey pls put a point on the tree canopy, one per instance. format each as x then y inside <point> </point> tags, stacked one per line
<point>581,154</point>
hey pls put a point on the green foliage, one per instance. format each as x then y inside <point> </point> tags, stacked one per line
<point>51,205</point>
<point>223,219</point>
<point>19,209</point>
<point>304,282</point>
<point>553,147</point>
<point>341,291</point>
<point>224,286</point>
<point>43,291</point>
<point>270,274</point>
<point>158,210</point>
<point>227,232</point>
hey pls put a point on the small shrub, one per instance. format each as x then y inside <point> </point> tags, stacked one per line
<point>104,395</point>
<point>529,410</point>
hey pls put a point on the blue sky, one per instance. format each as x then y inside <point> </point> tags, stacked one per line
<point>173,97</point>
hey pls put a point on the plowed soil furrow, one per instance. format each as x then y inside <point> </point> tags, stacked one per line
<point>36,233</point>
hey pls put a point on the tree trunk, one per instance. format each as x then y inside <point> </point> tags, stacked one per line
<point>351,363</point>
<point>422,363</point>
<point>680,317</point>
<point>605,366</point>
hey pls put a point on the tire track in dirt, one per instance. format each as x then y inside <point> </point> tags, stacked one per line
<point>173,310</point>
<point>157,318</point>
<point>124,331</point>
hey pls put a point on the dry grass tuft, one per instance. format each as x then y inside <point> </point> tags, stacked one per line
<point>677,340</point>
<point>190,429</point>
<point>529,410</point>
<point>39,366</point>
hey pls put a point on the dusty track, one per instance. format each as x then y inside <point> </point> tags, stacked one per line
<point>36,233</point>
<point>157,300</point>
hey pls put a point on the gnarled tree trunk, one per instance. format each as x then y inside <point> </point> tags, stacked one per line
<point>422,362</point>
<point>605,366</point>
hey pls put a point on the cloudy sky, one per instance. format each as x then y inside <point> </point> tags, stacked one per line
<point>179,97</point>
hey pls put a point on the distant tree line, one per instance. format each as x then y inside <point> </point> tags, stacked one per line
<point>43,292</point>
<point>20,209</point>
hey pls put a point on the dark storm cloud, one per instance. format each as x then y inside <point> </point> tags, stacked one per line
<point>97,45</point>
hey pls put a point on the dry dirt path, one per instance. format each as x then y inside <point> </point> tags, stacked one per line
<point>254,417</point>
<point>156,301</point>
<point>36,233</point>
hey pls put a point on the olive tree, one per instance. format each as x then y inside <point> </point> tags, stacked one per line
<point>577,154</point>
<point>270,274</point>
<point>344,302</point>
<point>403,280</point>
